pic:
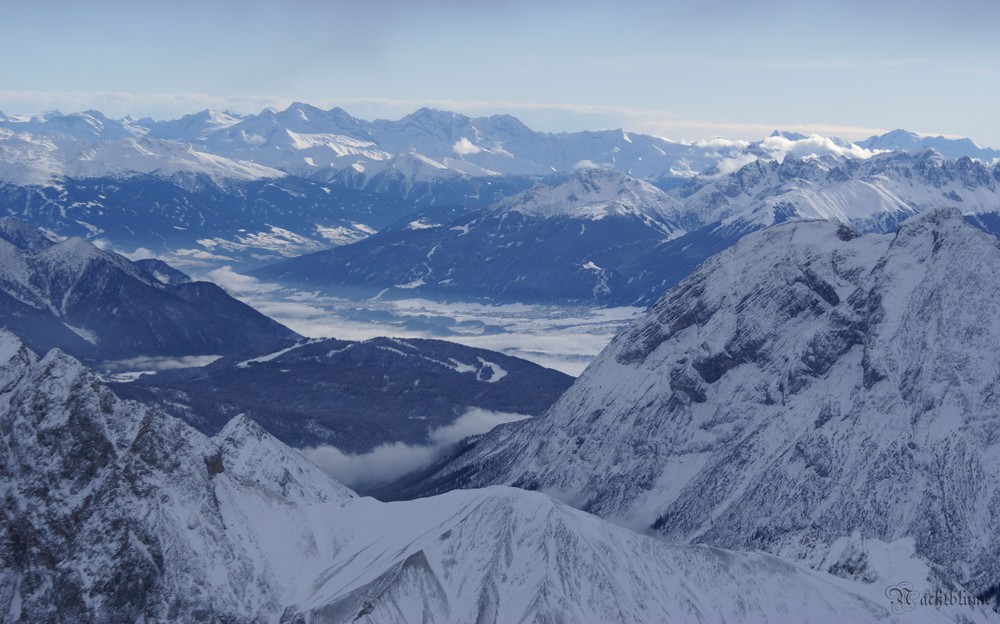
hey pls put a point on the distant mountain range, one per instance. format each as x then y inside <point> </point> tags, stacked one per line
<point>902,140</point>
<point>213,188</point>
<point>601,236</point>
<point>309,142</point>
<point>197,223</point>
<point>564,242</point>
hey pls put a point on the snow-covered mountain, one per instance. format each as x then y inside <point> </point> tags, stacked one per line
<point>562,242</point>
<point>353,395</point>
<point>803,386</point>
<point>870,195</point>
<point>307,141</point>
<point>609,238</point>
<point>114,512</point>
<point>904,141</point>
<point>100,306</point>
<point>215,188</point>
<point>195,223</point>
<point>43,159</point>
<point>424,148</point>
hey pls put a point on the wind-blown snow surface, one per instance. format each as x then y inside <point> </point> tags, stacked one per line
<point>112,512</point>
<point>802,386</point>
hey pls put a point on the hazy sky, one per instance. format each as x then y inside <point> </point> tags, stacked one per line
<point>684,70</point>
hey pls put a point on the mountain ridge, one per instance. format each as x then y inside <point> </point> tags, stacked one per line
<point>100,306</point>
<point>150,520</point>
<point>802,385</point>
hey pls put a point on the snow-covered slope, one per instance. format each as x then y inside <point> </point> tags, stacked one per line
<point>904,141</point>
<point>112,512</point>
<point>254,454</point>
<point>100,306</point>
<point>503,555</point>
<point>872,194</point>
<point>26,159</point>
<point>596,194</point>
<point>562,241</point>
<point>603,236</point>
<point>193,222</point>
<point>802,386</point>
<point>356,396</point>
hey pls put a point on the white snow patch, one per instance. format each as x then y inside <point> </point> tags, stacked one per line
<point>498,371</point>
<point>276,354</point>
<point>345,234</point>
<point>417,283</point>
<point>86,334</point>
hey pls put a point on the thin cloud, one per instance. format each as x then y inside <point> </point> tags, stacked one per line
<point>465,147</point>
<point>156,363</point>
<point>238,283</point>
<point>816,64</point>
<point>733,130</point>
<point>118,104</point>
<point>659,122</point>
<point>779,147</point>
<point>388,462</point>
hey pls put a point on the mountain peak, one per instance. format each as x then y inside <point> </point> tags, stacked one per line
<point>251,453</point>
<point>800,386</point>
<point>75,248</point>
<point>791,136</point>
<point>434,117</point>
<point>304,108</point>
<point>904,140</point>
<point>593,193</point>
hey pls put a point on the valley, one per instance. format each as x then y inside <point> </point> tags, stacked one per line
<point>297,366</point>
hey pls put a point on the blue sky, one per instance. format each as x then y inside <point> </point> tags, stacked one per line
<point>684,70</point>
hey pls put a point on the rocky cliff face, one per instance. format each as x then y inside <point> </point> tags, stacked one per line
<point>112,512</point>
<point>802,386</point>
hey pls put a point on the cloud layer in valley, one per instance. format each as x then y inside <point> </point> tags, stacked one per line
<point>388,462</point>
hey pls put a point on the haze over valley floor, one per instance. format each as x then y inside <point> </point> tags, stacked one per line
<point>565,338</point>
